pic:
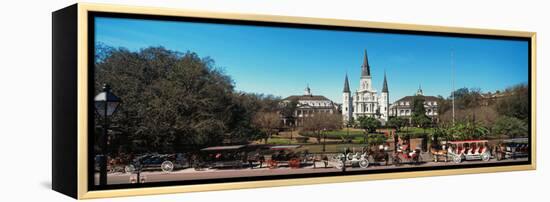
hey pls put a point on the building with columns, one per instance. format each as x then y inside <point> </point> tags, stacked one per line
<point>404,106</point>
<point>309,104</point>
<point>365,101</point>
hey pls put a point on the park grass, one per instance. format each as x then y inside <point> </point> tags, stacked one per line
<point>351,136</point>
<point>281,140</point>
<point>341,134</point>
<point>415,132</point>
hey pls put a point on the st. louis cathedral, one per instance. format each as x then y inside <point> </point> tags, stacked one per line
<point>366,101</point>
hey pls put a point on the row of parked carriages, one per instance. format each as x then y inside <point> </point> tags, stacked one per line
<point>295,156</point>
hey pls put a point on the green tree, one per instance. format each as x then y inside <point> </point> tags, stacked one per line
<point>376,139</point>
<point>440,133</point>
<point>288,109</point>
<point>510,127</point>
<point>421,121</point>
<point>467,98</point>
<point>515,102</point>
<point>397,123</point>
<point>468,130</point>
<point>369,124</point>
<point>268,123</point>
<point>419,117</point>
<point>418,106</point>
<point>174,101</point>
<point>319,123</point>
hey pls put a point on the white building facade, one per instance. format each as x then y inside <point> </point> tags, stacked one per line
<point>404,106</point>
<point>307,105</point>
<point>365,101</point>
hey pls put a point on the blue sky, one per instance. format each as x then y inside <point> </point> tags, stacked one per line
<point>282,61</point>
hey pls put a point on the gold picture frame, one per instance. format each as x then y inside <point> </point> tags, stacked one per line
<point>78,187</point>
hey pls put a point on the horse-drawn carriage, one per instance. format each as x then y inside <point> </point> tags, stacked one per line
<point>468,150</point>
<point>439,151</point>
<point>512,149</point>
<point>233,156</point>
<point>165,162</point>
<point>361,159</point>
<point>288,155</point>
<point>357,159</point>
<point>405,154</point>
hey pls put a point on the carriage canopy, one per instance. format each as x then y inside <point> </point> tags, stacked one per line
<point>220,148</point>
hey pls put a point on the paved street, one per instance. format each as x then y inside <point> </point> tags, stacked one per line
<point>192,174</point>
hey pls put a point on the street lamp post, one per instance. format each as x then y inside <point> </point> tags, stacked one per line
<point>106,103</point>
<point>324,139</point>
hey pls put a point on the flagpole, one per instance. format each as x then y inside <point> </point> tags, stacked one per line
<point>453,83</point>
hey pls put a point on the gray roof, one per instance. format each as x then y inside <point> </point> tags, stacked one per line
<point>307,97</point>
<point>411,98</point>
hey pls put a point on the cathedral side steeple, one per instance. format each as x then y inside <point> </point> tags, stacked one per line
<point>384,102</point>
<point>346,85</point>
<point>385,85</point>
<point>347,102</point>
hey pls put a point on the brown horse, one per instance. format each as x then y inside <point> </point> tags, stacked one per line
<point>379,155</point>
<point>438,152</point>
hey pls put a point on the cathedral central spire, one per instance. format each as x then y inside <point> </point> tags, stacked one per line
<point>366,101</point>
<point>365,68</point>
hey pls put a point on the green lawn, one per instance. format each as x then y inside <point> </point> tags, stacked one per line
<point>414,131</point>
<point>355,135</point>
<point>339,134</point>
<point>281,140</point>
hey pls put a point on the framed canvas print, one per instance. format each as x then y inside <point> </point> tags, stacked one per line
<point>153,100</point>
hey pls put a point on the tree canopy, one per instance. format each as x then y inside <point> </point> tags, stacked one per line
<point>510,127</point>
<point>397,123</point>
<point>319,122</point>
<point>369,124</point>
<point>173,100</point>
<point>516,103</point>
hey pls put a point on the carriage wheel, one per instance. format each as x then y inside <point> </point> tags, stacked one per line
<point>364,163</point>
<point>418,159</point>
<point>198,167</point>
<point>167,166</point>
<point>340,164</point>
<point>396,161</point>
<point>457,159</point>
<point>129,168</point>
<point>485,156</point>
<point>272,164</point>
<point>499,156</point>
